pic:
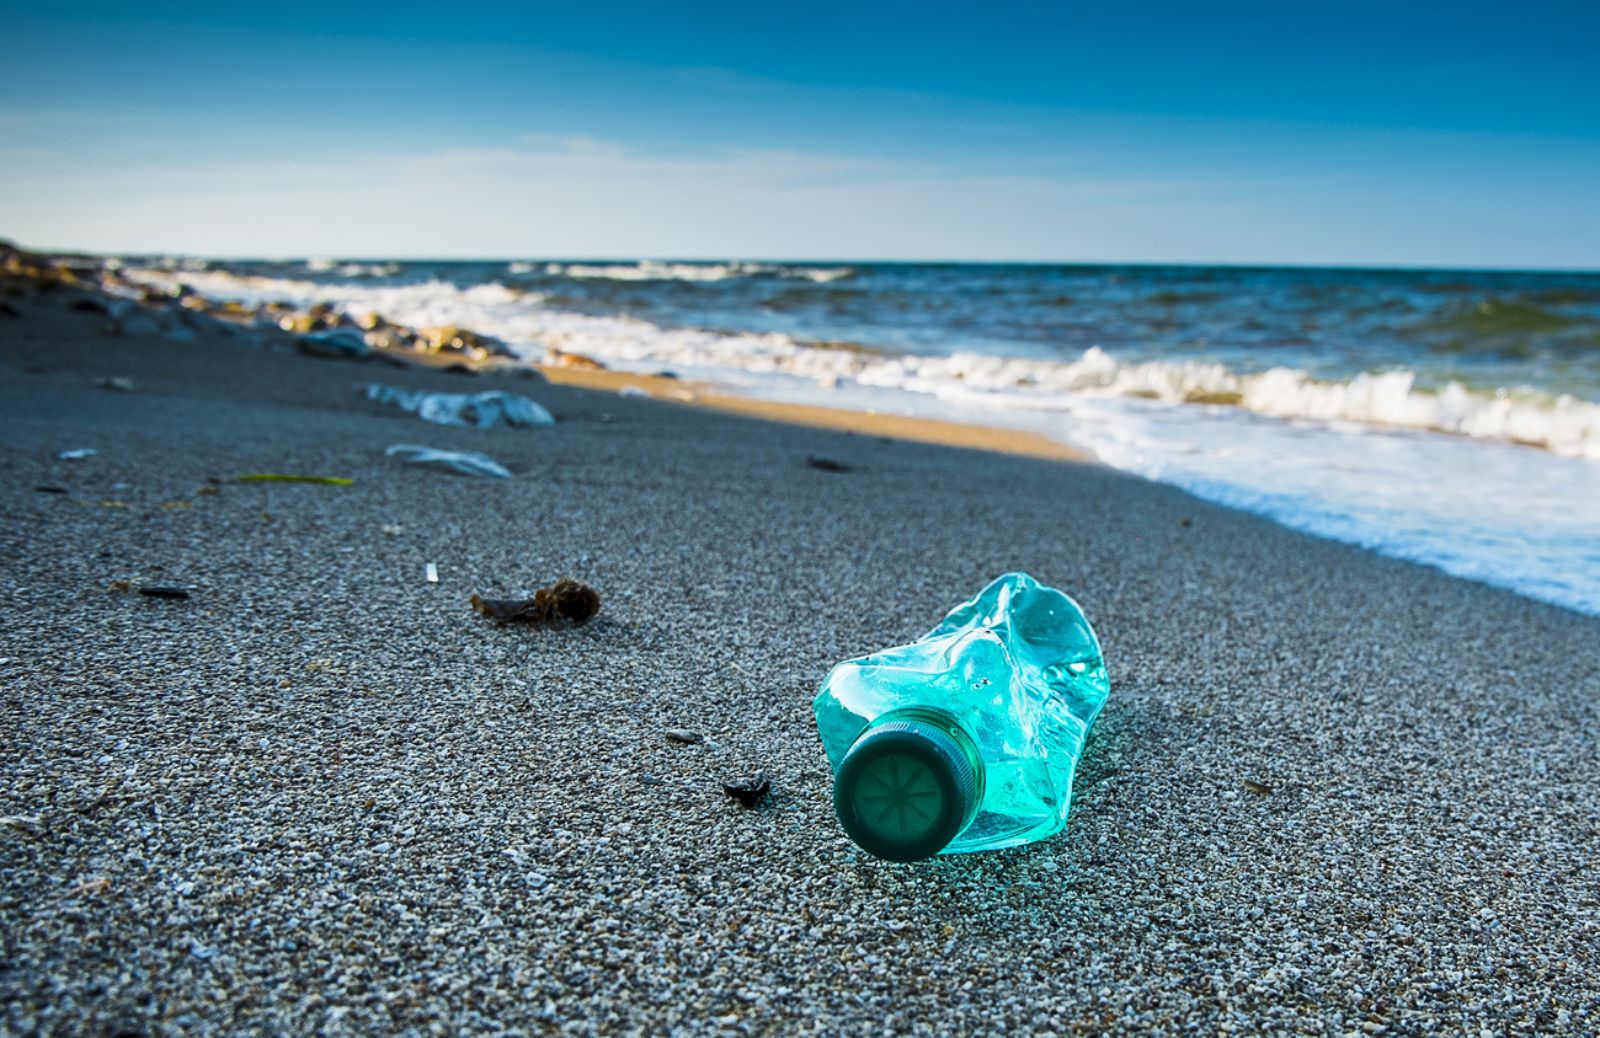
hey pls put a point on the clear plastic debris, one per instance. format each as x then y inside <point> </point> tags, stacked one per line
<point>468,463</point>
<point>480,410</point>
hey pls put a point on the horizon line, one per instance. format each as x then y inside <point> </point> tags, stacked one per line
<point>825,261</point>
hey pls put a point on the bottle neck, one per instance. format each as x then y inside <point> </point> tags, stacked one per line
<point>951,726</point>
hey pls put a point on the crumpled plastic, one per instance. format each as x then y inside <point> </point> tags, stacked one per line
<point>481,410</point>
<point>468,463</point>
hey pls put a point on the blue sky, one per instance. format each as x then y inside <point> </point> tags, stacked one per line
<point>1457,134</point>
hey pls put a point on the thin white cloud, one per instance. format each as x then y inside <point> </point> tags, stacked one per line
<point>563,197</point>
<point>580,197</point>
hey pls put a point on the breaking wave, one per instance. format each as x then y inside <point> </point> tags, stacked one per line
<point>651,270</point>
<point>1563,424</point>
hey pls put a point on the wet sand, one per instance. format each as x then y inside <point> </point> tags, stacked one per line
<point>1330,793</point>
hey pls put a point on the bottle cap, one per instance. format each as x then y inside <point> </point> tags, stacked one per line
<point>906,789</point>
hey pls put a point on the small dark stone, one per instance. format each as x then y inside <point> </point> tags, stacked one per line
<point>682,735</point>
<point>8,310</point>
<point>88,305</point>
<point>46,488</point>
<point>826,464</point>
<point>749,791</point>
<point>1185,522</point>
<point>163,591</point>
<point>1259,788</point>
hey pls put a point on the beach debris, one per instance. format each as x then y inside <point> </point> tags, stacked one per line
<point>1185,522</point>
<point>8,310</point>
<point>128,317</point>
<point>98,885</point>
<point>176,506</point>
<point>567,599</point>
<point>480,410</point>
<point>51,488</point>
<point>339,343</point>
<point>576,361</point>
<point>430,573</point>
<point>826,464</point>
<point>1258,788</point>
<point>117,384</point>
<point>291,477</point>
<point>88,305</point>
<point>453,338</point>
<point>683,735</point>
<point>633,391</point>
<point>77,455</point>
<point>33,825</point>
<point>468,463</point>
<point>750,790</point>
<point>172,591</point>
<point>393,529</point>
<point>320,317</point>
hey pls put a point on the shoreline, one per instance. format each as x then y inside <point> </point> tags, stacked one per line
<point>971,435</point>
<point>323,793</point>
<point>464,351</point>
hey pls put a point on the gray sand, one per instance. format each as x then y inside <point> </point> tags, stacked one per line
<point>324,796</point>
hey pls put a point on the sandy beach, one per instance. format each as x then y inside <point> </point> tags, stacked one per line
<point>1330,793</point>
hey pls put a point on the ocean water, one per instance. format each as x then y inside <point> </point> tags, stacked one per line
<point>1447,417</point>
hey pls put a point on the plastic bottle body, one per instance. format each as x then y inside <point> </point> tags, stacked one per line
<point>1019,671</point>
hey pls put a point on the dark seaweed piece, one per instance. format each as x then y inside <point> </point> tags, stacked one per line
<point>564,600</point>
<point>88,305</point>
<point>1258,788</point>
<point>9,310</point>
<point>163,591</point>
<point>826,464</point>
<point>749,791</point>
<point>50,488</point>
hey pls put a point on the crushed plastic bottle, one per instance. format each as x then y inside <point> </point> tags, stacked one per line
<point>967,739</point>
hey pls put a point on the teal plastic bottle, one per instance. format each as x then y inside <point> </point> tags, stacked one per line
<point>965,740</point>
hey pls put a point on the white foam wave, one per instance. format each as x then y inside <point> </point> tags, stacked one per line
<point>1563,424</point>
<point>651,270</point>
<point>1343,460</point>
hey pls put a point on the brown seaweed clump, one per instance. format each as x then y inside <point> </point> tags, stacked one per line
<point>568,600</point>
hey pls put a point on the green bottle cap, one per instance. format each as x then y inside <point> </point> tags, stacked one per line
<point>906,789</point>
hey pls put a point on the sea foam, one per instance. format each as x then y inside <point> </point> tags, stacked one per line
<point>1360,459</point>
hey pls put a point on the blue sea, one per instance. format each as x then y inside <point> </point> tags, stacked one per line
<point>1447,417</point>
